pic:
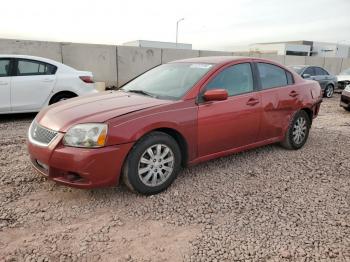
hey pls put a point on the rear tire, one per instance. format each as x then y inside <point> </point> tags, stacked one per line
<point>298,131</point>
<point>61,97</point>
<point>329,91</point>
<point>152,164</point>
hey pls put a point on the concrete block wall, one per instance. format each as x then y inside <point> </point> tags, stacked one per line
<point>333,64</point>
<point>133,61</point>
<point>214,53</point>
<point>294,60</point>
<point>169,55</point>
<point>277,58</point>
<point>99,59</point>
<point>345,64</point>
<point>51,50</point>
<point>314,60</point>
<point>116,65</point>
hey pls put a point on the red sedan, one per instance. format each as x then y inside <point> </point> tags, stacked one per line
<point>174,115</point>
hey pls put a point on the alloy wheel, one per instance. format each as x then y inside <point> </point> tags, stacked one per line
<point>299,130</point>
<point>329,91</point>
<point>156,165</point>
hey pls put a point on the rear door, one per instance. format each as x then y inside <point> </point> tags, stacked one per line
<point>32,85</point>
<point>321,77</point>
<point>279,99</point>
<point>232,123</point>
<point>5,85</point>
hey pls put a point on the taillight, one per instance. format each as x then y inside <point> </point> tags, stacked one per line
<point>87,79</point>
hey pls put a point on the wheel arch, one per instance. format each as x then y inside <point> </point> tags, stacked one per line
<point>172,132</point>
<point>309,112</point>
<point>330,83</point>
<point>175,134</point>
<point>179,138</point>
<point>60,93</point>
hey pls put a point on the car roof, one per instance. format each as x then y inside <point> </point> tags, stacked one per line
<point>29,57</point>
<point>212,59</point>
<point>38,58</point>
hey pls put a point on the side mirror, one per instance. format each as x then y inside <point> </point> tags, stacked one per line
<point>306,76</point>
<point>215,95</point>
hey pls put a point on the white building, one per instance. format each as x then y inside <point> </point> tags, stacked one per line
<point>330,49</point>
<point>157,44</point>
<point>281,49</point>
<point>302,48</point>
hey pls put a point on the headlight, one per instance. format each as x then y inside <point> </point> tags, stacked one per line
<point>86,135</point>
<point>347,88</point>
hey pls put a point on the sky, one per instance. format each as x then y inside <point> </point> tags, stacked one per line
<point>211,25</point>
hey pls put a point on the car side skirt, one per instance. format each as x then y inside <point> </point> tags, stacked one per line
<point>234,150</point>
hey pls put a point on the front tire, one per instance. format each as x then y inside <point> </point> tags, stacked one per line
<point>298,131</point>
<point>329,91</point>
<point>152,164</point>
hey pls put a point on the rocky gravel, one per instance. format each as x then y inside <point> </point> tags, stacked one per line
<point>267,204</point>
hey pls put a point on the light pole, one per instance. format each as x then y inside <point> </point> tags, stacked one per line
<point>177,28</point>
<point>336,52</point>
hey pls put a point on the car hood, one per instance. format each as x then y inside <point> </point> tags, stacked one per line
<point>343,77</point>
<point>96,108</point>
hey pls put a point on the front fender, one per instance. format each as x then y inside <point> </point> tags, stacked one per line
<point>180,117</point>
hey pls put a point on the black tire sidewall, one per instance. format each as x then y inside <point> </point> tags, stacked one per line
<point>290,131</point>
<point>135,155</point>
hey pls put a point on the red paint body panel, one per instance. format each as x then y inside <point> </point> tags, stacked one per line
<point>210,129</point>
<point>96,167</point>
<point>227,124</point>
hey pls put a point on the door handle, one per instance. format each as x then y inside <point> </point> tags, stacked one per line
<point>3,83</point>
<point>47,80</point>
<point>293,93</point>
<point>252,101</point>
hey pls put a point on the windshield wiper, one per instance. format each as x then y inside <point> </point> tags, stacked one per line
<point>142,92</point>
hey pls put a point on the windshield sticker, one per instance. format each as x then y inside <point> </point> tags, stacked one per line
<point>204,66</point>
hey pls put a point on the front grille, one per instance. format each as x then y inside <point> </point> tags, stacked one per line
<point>41,135</point>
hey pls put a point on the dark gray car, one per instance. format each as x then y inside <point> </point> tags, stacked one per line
<point>327,81</point>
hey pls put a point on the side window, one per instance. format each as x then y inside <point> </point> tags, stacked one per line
<point>271,76</point>
<point>236,79</point>
<point>4,67</point>
<point>310,71</point>
<point>30,67</point>
<point>320,71</point>
<point>290,80</point>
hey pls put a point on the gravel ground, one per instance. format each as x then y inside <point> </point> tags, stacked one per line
<point>267,204</point>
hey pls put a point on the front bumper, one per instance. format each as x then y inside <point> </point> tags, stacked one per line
<point>79,167</point>
<point>345,99</point>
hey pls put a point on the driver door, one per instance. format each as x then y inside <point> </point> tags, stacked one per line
<point>231,123</point>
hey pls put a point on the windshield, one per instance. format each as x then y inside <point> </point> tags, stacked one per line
<point>345,72</point>
<point>168,81</point>
<point>297,69</point>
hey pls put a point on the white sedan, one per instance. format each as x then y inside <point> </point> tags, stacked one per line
<point>28,83</point>
<point>344,78</point>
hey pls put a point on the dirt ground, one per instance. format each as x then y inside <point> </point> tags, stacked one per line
<point>267,204</point>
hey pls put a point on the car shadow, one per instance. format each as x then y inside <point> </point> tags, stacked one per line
<point>17,117</point>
